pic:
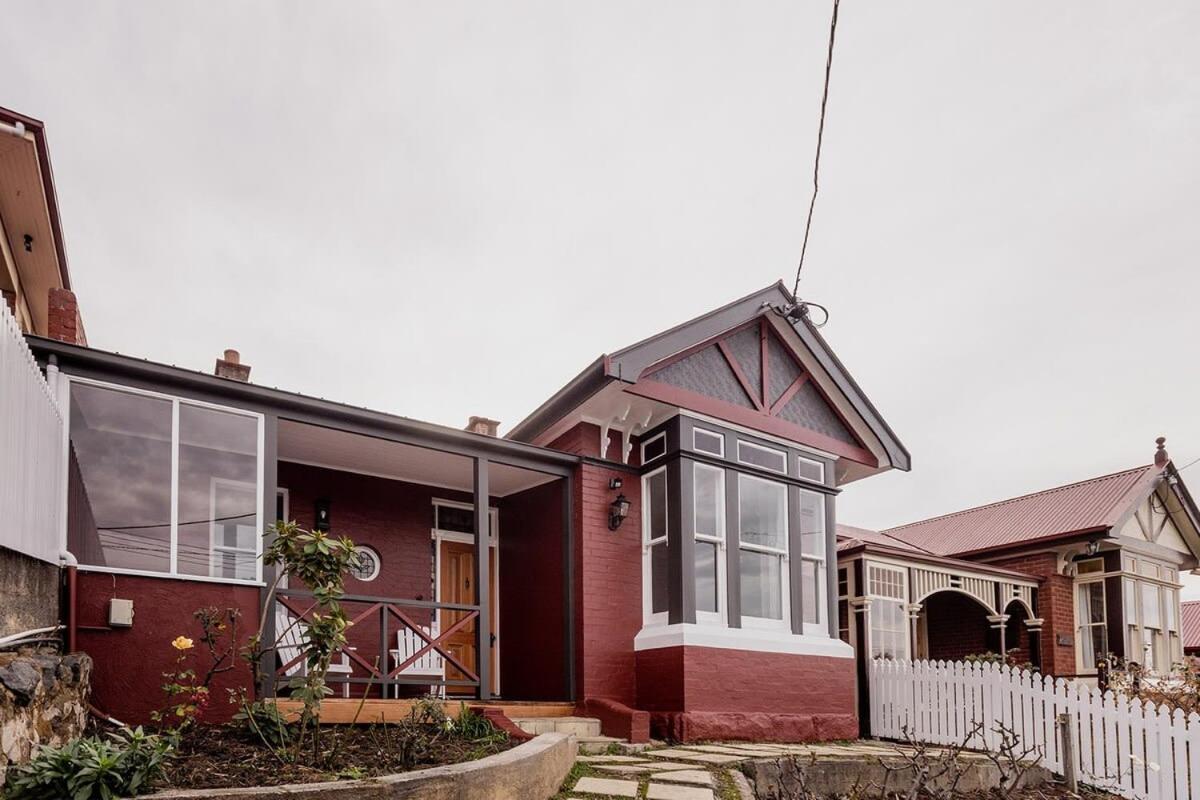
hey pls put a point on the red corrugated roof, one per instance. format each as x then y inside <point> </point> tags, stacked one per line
<point>1191,623</point>
<point>1090,505</point>
<point>850,537</point>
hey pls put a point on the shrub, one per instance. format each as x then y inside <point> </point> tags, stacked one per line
<point>120,764</point>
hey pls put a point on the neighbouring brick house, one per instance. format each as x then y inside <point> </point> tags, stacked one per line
<point>1190,620</point>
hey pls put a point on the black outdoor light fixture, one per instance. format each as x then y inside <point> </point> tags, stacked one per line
<point>617,512</point>
<point>321,515</point>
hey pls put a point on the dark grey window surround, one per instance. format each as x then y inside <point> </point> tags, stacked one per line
<point>678,459</point>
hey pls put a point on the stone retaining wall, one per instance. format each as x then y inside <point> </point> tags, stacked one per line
<point>43,701</point>
<point>531,771</point>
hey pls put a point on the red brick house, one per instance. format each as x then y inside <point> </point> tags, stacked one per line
<point>1190,620</point>
<point>1064,576</point>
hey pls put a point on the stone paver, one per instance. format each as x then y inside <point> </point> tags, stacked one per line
<point>610,759</point>
<point>664,791</point>
<point>609,786</point>
<point>697,776</point>
<point>726,749</point>
<point>665,765</point>
<point>690,755</point>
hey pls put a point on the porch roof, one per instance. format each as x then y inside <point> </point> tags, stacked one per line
<point>853,541</point>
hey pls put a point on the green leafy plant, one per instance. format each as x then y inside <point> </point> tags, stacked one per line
<point>319,561</point>
<point>266,721</point>
<point>121,764</point>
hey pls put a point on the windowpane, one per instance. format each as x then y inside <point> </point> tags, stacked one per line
<point>1151,613</point>
<point>707,442</point>
<point>1129,600</point>
<point>654,448</point>
<point>765,457</point>
<point>218,493</point>
<point>810,470</point>
<point>656,502</point>
<point>762,584</point>
<point>706,576</point>
<point>1094,642</point>
<point>119,496</point>
<point>1172,601</point>
<point>762,513</point>
<point>811,587</point>
<point>455,519</point>
<point>1091,603</point>
<point>710,501</point>
<point>812,524</point>
<point>889,630</point>
<point>658,578</point>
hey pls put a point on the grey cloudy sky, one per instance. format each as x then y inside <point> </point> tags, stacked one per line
<point>447,208</point>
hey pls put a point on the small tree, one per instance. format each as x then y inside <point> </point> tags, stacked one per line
<point>320,562</point>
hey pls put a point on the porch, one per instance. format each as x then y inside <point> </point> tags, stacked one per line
<point>434,608</point>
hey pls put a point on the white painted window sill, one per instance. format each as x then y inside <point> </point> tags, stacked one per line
<point>656,637</point>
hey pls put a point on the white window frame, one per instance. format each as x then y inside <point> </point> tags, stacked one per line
<point>1093,578</point>
<point>1166,644</point>
<point>366,548</point>
<point>651,441</point>
<point>766,623</point>
<point>719,616</point>
<point>649,617</point>
<point>719,437</point>
<point>821,626</point>
<point>755,446</point>
<point>877,597</point>
<point>806,460</point>
<point>213,548</point>
<point>176,401</point>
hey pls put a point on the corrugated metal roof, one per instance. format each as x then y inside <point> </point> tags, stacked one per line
<point>850,537</point>
<point>1090,505</point>
<point>1191,623</point>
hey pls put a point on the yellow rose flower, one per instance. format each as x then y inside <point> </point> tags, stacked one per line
<point>182,643</point>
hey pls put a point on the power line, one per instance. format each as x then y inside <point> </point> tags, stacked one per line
<point>820,137</point>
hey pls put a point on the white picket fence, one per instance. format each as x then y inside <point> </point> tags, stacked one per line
<point>31,468</point>
<point>1133,749</point>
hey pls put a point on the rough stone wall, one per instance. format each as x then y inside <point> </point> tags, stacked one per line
<point>43,701</point>
<point>30,591</point>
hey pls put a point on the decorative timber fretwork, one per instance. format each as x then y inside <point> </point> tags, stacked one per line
<point>750,373</point>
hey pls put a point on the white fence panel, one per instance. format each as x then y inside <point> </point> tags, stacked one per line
<point>31,468</point>
<point>1134,749</point>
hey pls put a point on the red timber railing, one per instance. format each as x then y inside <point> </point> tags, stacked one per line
<point>375,623</point>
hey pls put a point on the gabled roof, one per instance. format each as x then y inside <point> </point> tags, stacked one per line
<point>850,537</point>
<point>631,363</point>
<point>1191,623</point>
<point>1089,506</point>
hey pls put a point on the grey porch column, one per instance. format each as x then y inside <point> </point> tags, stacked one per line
<point>270,472</point>
<point>483,587</point>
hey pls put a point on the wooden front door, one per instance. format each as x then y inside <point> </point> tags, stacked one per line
<point>457,585</point>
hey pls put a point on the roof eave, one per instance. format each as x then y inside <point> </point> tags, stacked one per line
<point>38,129</point>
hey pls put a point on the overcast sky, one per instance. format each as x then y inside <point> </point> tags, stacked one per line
<point>442,209</point>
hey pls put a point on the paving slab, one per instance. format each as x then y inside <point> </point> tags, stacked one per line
<point>665,765</point>
<point>610,759</point>
<point>628,769</point>
<point>691,755</point>
<point>697,776</point>
<point>727,749</point>
<point>609,786</point>
<point>665,791</point>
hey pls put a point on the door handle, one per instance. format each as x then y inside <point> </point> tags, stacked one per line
<point>493,640</point>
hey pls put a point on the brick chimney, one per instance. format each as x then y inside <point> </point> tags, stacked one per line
<point>488,427</point>
<point>62,317</point>
<point>231,367</point>
<point>1160,455</point>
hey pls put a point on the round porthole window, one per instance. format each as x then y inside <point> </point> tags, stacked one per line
<point>366,564</point>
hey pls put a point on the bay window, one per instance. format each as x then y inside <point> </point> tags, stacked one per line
<point>163,485</point>
<point>763,552</point>
<point>1150,596</point>
<point>1092,628</point>
<point>812,554</point>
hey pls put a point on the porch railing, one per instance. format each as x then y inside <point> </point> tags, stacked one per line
<point>31,454</point>
<point>372,640</point>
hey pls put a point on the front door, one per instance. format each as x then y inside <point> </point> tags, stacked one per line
<point>457,585</point>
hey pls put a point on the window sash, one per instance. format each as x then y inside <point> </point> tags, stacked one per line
<point>176,403</point>
<point>655,547</point>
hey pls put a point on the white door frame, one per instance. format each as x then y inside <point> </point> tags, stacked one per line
<point>440,536</point>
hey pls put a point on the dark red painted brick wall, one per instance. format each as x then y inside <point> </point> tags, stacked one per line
<point>129,662</point>
<point>1056,598</point>
<point>532,605</point>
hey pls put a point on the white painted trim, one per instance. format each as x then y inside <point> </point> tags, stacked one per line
<point>812,462</point>
<point>767,623</point>
<point>167,576</point>
<point>759,641</point>
<point>720,438</point>
<point>378,562</point>
<point>438,536</point>
<point>755,446</point>
<point>649,617</point>
<point>720,616</point>
<point>652,440</point>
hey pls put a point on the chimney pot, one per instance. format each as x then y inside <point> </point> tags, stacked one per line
<point>231,367</point>
<point>488,427</point>
<point>1160,455</point>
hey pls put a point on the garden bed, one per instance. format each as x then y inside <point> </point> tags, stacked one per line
<point>227,757</point>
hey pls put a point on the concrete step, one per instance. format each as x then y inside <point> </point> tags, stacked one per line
<point>596,745</point>
<point>582,727</point>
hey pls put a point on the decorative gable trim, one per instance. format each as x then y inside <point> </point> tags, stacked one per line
<point>749,376</point>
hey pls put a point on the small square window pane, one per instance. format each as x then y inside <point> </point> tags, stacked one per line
<point>810,470</point>
<point>654,448</point>
<point>708,442</point>
<point>706,576</point>
<point>762,584</point>
<point>762,513</point>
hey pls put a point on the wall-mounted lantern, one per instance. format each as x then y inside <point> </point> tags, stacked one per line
<point>321,515</point>
<point>617,512</point>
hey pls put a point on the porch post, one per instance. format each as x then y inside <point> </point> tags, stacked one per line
<point>914,616</point>
<point>1000,621</point>
<point>270,483</point>
<point>483,588</point>
<point>1034,627</point>
<point>568,513</point>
